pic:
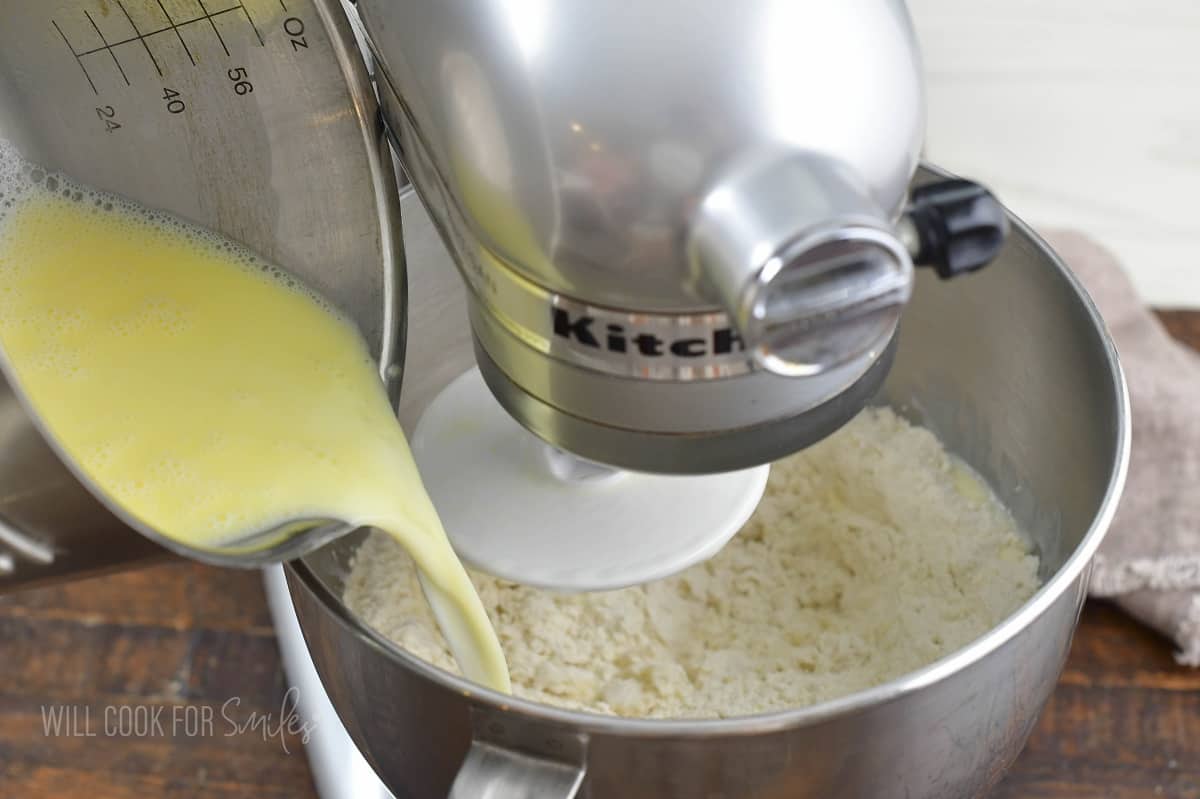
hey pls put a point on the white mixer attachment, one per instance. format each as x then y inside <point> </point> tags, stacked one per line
<point>521,510</point>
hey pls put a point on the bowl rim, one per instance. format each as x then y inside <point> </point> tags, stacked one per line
<point>778,720</point>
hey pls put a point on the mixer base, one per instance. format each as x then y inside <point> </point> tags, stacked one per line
<point>339,769</point>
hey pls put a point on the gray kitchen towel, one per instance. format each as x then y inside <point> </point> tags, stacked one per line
<point>1150,562</point>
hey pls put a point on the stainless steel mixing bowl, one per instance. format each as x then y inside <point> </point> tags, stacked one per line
<point>1012,368</point>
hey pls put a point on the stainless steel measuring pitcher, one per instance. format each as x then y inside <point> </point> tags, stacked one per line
<point>256,119</point>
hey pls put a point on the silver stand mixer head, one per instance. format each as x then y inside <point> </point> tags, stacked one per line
<point>683,233</point>
<point>687,244</point>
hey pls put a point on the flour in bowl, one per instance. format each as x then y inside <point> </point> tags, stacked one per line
<point>872,554</point>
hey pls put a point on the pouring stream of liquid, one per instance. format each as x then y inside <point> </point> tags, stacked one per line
<point>207,393</point>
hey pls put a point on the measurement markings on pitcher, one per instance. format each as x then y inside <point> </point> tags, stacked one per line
<point>106,46</point>
<point>172,26</point>
<point>141,38</point>
<point>215,30</point>
<point>175,28</point>
<point>78,60</point>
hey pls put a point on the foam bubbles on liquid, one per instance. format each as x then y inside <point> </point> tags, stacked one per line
<point>22,181</point>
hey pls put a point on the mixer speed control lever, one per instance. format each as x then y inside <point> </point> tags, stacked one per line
<point>955,226</point>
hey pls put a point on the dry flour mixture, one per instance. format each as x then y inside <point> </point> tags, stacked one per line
<point>872,554</point>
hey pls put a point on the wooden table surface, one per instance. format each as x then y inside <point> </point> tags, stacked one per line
<point>170,646</point>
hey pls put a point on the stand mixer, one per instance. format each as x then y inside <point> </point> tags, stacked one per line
<point>702,277</point>
<point>687,236</point>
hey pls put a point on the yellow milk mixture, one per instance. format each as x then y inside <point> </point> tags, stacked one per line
<point>205,391</point>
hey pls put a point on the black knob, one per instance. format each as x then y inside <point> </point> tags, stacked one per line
<point>959,226</point>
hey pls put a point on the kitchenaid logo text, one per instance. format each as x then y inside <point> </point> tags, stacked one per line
<point>588,331</point>
<point>179,721</point>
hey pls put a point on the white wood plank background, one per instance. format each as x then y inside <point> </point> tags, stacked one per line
<point>1079,113</point>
